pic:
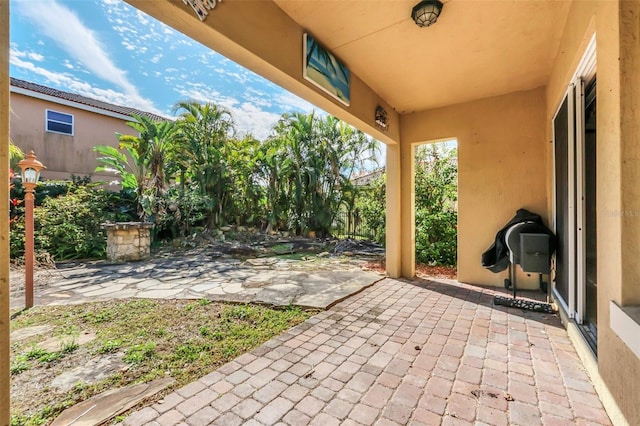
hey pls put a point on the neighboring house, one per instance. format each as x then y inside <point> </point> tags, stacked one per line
<point>368,177</point>
<point>62,128</point>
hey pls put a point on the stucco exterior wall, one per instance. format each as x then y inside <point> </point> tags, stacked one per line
<point>63,155</point>
<point>5,341</point>
<point>502,166</point>
<point>617,28</point>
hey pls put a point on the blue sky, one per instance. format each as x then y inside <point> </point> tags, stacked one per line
<point>108,50</point>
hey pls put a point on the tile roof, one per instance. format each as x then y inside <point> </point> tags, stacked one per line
<point>81,99</point>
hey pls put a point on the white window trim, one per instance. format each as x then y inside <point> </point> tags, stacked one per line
<point>47,120</point>
<point>585,72</point>
<point>625,322</point>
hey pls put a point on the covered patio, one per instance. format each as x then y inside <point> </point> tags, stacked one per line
<point>401,352</point>
<point>514,84</point>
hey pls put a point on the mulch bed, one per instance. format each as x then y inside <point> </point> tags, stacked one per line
<point>422,270</point>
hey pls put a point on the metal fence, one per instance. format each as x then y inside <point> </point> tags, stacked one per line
<point>351,226</point>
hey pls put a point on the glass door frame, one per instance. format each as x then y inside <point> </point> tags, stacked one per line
<point>576,263</point>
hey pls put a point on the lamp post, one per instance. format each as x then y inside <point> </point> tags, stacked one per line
<point>30,174</point>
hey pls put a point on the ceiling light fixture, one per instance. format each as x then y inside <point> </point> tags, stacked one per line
<point>202,7</point>
<point>426,12</point>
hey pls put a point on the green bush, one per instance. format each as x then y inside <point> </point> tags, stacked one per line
<point>436,195</point>
<point>436,187</point>
<point>68,226</point>
<point>371,207</point>
<point>184,209</point>
<point>16,237</point>
<point>436,237</point>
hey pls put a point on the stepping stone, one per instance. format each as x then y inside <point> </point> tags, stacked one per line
<point>92,371</point>
<point>259,280</point>
<point>264,261</point>
<point>158,294</point>
<point>27,332</point>
<point>56,344</point>
<point>102,407</point>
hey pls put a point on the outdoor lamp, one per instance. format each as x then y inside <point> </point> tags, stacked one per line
<point>30,170</point>
<point>30,173</point>
<point>426,12</point>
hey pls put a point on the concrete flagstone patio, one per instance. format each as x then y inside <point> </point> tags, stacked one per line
<point>314,283</point>
<point>400,352</point>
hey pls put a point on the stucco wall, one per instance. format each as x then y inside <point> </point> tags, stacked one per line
<point>502,166</point>
<point>5,327</point>
<point>617,27</point>
<point>63,155</point>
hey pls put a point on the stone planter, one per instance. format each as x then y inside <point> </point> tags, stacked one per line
<point>128,240</point>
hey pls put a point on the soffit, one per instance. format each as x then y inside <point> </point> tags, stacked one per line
<point>478,48</point>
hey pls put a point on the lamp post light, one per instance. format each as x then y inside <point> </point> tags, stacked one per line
<point>30,174</point>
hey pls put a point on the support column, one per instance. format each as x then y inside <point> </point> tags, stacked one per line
<point>629,59</point>
<point>393,218</point>
<point>5,388</point>
<point>408,209</point>
<point>401,221</point>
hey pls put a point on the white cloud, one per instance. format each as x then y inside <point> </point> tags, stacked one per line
<point>142,18</point>
<point>21,54</point>
<point>249,118</point>
<point>123,29</point>
<point>65,28</point>
<point>35,56</point>
<point>70,83</point>
<point>290,102</point>
<point>156,58</point>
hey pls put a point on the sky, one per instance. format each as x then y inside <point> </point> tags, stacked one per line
<point>108,50</point>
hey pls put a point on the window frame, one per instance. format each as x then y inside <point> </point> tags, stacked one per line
<point>47,120</point>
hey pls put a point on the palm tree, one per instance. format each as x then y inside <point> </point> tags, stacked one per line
<point>141,161</point>
<point>309,160</point>
<point>205,130</point>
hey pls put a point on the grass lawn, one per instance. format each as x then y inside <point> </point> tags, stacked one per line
<point>148,339</point>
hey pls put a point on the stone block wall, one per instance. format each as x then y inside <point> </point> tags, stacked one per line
<point>128,240</point>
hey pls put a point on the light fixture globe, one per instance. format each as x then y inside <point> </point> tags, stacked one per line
<point>426,12</point>
<point>30,170</point>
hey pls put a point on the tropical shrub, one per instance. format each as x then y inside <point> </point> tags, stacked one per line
<point>68,226</point>
<point>203,154</point>
<point>436,195</point>
<point>436,180</point>
<point>307,165</point>
<point>186,209</point>
<point>371,208</point>
<point>141,162</point>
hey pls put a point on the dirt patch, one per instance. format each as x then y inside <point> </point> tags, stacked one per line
<point>422,270</point>
<point>135,341</point>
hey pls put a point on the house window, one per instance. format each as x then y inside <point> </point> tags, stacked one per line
<point>59,122</point>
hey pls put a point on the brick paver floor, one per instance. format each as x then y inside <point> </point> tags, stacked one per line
<point>400,352</point>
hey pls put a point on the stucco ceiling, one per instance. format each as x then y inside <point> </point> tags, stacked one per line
<point>478,48</point>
